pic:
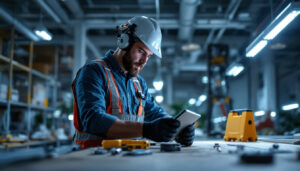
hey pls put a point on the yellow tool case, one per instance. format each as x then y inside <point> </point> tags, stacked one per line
<point>240,127</point>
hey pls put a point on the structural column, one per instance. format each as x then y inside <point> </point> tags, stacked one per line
<point>267,94</point>
<point>253,83</point>
<point>79,47</point>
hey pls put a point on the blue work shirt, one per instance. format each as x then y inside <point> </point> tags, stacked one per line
<point>92,96</point>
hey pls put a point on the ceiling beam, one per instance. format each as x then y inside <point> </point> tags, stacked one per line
<point>172,24</point>
<point>74,7</point>
<point>60,12</point>
<point>200,24</point>
<point>48,10</point>
<point>18,25</point>
<point>230,17</point>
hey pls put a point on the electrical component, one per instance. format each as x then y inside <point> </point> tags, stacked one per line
<point>290,106</point>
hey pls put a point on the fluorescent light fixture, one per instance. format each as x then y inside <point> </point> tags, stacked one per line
<point>158,85</point>
<point>190,47</point>
<point>281,25</point>
<point>273,114</point>
<point>272,30</point>
<point>202,98</point>
<point>259,113</point>
<point>290,106</point>
<point>234,70</point>
<point>256,49</point>
<point>43,33</point>
<point>57,113</point>
<point>192,101</point>
<point>204,79</point>
<point>159,99</point>
<point>71,117</point>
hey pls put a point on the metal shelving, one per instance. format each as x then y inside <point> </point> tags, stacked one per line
<point>28,107</point>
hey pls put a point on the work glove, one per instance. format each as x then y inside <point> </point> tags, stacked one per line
<point>161,129</point>
<point>186,136</point>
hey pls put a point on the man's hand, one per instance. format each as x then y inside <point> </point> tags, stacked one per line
<point>186,136</point>
<point>161,129</point>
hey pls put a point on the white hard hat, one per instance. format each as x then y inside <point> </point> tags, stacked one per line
<point>148,31</point>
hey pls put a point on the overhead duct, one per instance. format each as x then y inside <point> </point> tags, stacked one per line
<point>58,10</point>
<point>18,25</point>
<point>230,17</point>
<point>187,14</point>
<point>60,13</point>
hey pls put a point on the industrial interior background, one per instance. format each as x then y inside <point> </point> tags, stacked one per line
<point>202,41</point>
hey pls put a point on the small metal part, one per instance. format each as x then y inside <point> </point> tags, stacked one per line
<point>169,147</point>
<point>275,146</point>
<point>115,151</point>
<point>138,153</point>
<point>275,149</point>
<point>217,147</point>
<point>257,157</point>
<point>100,151</point>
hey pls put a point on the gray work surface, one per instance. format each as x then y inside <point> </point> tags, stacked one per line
<point>201,156</point>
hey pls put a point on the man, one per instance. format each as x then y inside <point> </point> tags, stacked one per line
<point>112,101</point>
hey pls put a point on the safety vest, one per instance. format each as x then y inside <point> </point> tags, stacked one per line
<point>114,108</point>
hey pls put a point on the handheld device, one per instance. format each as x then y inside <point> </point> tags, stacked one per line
<point>186,118</point>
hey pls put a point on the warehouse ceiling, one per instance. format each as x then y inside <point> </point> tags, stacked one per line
<point>185,23</point>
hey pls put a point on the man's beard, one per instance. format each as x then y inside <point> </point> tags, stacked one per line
<point>129,65</point>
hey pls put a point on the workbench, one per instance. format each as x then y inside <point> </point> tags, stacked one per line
<point>200,156</point>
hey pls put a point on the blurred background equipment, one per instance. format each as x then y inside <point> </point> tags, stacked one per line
<point>218,104</point>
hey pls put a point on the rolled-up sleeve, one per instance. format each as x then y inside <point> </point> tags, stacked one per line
<point>91,100</point>
<point>151,108</point>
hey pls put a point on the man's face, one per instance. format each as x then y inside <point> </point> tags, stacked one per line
<point>136,58</point>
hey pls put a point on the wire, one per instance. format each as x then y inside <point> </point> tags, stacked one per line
<point>268,16</point>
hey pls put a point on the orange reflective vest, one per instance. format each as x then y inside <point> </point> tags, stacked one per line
<point>114,108</point>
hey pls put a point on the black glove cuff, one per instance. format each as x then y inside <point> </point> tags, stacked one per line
<point>146,129</point>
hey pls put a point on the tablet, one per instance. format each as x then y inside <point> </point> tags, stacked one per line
<point>186,118</point>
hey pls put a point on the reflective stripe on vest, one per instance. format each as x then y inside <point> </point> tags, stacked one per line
<point>138,89</point>
<point>115,108</point>
<point>115,104</point>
